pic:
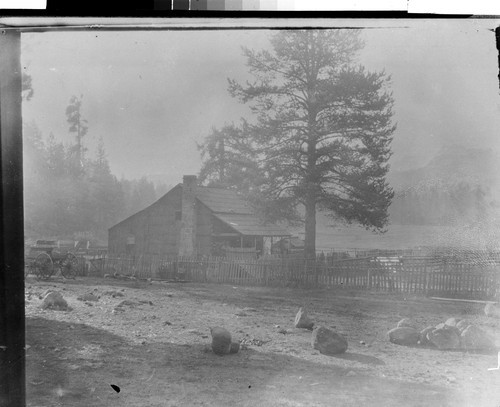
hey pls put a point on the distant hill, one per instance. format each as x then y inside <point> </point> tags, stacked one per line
<point>450,166</point>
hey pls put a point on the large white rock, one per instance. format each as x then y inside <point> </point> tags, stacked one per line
<point>453,322</point>
<point>404,335</point>
<point>302,320</point>
<point>492,310</point>
<point>474,338</point>
<point>423,340</point>
<point>328,342</point>
<point>445,338</point>
<point>463,324</point>
<point>54,300</point>
<point>407,322</point>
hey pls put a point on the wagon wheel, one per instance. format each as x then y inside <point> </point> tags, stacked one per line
<point>43,266</point>
<point>69,266</point>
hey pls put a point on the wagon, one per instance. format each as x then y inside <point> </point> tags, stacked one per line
<point>46,257</point>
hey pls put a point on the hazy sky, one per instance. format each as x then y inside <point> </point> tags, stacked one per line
<point>152,95</point>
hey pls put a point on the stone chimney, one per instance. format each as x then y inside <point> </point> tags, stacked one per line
<point>187,243</point>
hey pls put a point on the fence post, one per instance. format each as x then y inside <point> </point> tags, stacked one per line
<point>425,282</point>
<point>369,282</point>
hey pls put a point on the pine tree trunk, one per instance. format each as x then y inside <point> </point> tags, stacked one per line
<point>310,229</point>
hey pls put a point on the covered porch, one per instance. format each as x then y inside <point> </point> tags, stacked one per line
<point>244,236</point>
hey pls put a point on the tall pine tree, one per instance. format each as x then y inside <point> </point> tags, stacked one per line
<point>324,127</point>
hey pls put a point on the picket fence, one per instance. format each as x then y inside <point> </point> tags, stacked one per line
<point>404,274</point>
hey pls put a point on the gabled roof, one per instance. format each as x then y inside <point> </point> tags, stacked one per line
<point>250,225</point>
<point>220,200</point>
<point>228,206</point>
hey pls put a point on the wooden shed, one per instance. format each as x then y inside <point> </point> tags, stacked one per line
<point>195,220</point>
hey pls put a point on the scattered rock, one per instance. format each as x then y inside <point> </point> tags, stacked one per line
<point>444,338</point>
<point>221,340</point>
<point>282,331</point>
<point>88,297</point>
<point>235,347</point>
<point>350,373</point>
<point>474,338</point>
<point>253,342</point>
<point>114,294</point>
<point>167,323</point>
<point>407,322</point>
<point>423,340</point>
<point>492,310</point>
<point>44,294</point>
<point>54,300</point>
<point>127,303</point>
<point>328,342</point>
<point>302,320</point>
<point>462,324</point>
<point>449,327</point>
<point>241,314</point>
<point>452,322</point>
<point>404,335</point>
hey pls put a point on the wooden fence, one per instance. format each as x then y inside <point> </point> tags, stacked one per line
<point>405,274</point>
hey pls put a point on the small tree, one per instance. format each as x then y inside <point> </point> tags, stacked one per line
<point>323,129</point>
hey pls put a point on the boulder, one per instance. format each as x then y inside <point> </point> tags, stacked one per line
<point>449,327</point>
<point>44,294</point>
<point>452,322</point>
<point>221,340</point>
<point>302,320</point>
<point>235,347</point>
<point>404,335</point>
<point>492,310</point>
<point>54,300</point>
<point>444,338</point>
<point>407,322</point>
<point>462,324</point>
<point>423,340</point>
<point>328,342</point>
<point>474,338</point>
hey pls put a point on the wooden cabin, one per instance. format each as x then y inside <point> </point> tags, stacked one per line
<point>195,220</point>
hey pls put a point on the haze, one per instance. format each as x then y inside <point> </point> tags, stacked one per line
<point>153,95</point>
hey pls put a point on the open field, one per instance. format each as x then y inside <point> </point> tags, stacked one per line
<point>156,351</point>
<point>396,237</point>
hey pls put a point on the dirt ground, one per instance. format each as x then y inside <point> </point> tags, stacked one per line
<point>156,348</point>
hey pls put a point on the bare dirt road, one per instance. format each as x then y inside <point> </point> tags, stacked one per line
<point>154,348</point>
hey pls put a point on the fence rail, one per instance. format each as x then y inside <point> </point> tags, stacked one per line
<point>405,274</point>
